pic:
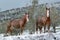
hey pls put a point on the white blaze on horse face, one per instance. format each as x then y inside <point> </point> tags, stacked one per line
<point>47,13</point>
<point>27,18</point>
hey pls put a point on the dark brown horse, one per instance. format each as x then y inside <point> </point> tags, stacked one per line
<point>18,24</point>
<point>44,21</point>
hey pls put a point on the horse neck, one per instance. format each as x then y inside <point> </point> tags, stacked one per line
<point>24,19</point>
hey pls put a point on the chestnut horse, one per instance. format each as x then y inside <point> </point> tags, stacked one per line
<point>44,21</point>
<point>18,24</point>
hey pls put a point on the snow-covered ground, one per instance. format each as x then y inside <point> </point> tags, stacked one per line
<point>43,36</point>
<point>34,36</point>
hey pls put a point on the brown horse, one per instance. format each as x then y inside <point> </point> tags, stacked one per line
<point>18,24</point>
<point>44,21</point>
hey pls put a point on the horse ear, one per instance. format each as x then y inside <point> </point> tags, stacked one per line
<point>46,8</point>
<point>26,13</point>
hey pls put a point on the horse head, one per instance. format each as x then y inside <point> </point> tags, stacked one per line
<point>26,16</point>
<point>48,12</point>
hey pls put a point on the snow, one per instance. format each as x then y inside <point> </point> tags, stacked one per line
<point>34,36</point>
<point>43,36</point>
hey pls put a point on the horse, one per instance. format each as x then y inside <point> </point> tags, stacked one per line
<point>17,23</point>
<point>43,21</point>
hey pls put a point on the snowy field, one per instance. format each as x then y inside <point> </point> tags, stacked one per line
<point>43,36</point>
<point>34,36</point>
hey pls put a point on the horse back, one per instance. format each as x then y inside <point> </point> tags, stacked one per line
<point>14,22</point>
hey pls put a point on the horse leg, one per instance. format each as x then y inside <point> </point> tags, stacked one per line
<point>40,28</point>
<point>37,29</point>
<point>48,28</point>
<point>9,30</point>
<point>21,30</point>
<point>44,28</point>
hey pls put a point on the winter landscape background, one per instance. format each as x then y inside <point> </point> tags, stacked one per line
<point>34,12</point>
